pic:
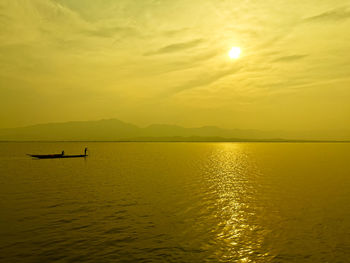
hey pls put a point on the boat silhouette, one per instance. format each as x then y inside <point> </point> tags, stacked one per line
<point>58,156</point>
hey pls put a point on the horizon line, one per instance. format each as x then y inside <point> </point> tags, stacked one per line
<point>181,141</point>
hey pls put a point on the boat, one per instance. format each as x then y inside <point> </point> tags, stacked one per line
<point>58,156</point>
<point>55,156</point>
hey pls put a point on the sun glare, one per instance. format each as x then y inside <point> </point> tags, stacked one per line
<point>235,52</point>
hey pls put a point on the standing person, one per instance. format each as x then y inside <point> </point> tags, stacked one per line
<point>62,153</point>
<point>85,151</point>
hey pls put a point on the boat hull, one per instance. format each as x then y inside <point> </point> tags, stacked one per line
<point>56,156</point>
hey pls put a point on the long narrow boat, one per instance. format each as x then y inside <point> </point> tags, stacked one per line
<point>55,156</point>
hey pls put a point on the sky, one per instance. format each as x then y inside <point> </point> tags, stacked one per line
<point>166,61</point>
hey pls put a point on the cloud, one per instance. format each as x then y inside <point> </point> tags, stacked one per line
<point>175,32</point>
<point>204,79</point>
<point>108,32</point>
<point>290,58</point>
<point>176,47</point>
<point>331,15</point>
<point>185,63</point>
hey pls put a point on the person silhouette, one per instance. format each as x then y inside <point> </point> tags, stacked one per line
<point>62,152</point>
<point>85,151</point>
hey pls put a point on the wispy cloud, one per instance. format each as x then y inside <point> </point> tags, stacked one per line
<point>185,63</point>
<point>291,58</point>
<point>337,14</point>
<point>112,31</point>
<point>176,47</point>
<point>175,32</point>
<point>204,80</point>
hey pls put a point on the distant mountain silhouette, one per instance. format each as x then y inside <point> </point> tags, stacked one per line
<point>116,130</point>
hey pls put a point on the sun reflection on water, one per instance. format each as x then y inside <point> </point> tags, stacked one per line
<point>231,175</point>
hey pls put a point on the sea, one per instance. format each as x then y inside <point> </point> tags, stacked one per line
<point>175,202</point>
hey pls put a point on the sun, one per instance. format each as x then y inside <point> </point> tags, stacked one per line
<point>235,52</point>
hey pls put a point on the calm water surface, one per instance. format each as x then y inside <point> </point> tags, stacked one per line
<point>176,202</point>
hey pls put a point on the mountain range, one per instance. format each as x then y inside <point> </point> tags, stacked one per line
<point>116,130</point>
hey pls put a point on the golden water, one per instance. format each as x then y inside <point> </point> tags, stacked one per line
<point>176,202</point>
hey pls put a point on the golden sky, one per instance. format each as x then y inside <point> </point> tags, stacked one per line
<point>166,61</point>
